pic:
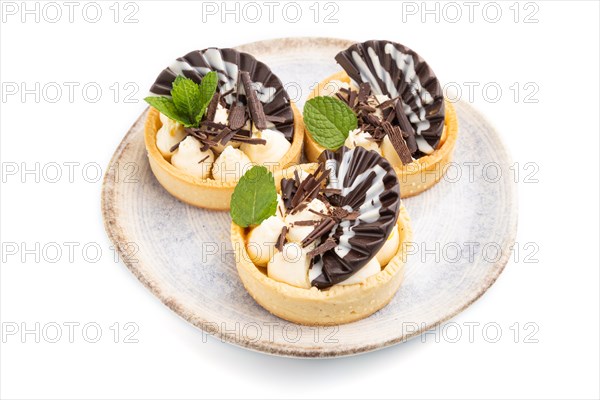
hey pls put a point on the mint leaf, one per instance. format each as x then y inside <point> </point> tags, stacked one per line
<point>167,107</point>
<point>329,120</point>
<point>186,96</point>
<point>254,198</point>
<point>188,101</point>
<point>208,86</point>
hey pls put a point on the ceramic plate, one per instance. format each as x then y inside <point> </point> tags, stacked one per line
<point>463,230</point>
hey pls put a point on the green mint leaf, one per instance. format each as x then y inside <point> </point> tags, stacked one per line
<point>254,198</point>
<point>329,120</point>
<point>208,86</point>
<point>186,96</point>
<point>166,106</point>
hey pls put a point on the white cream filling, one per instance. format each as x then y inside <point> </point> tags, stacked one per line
<point>296,233</point>
<point>370,269</point>
<point>169,134</point>
<point>231,165</point>
<point>221,115</point>
<point>262,239</point>
<point>189,158</point>
<point>291,265</point>
<point>363,139</point>
<point>270,153</point>
<point>390,247</point>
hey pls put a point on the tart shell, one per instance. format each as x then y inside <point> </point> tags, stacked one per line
<point>206,193</point>
<point>337,305</point>
<point>416,177</point>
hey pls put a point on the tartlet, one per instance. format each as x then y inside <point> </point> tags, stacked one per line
<point>330,300</point>
<point>425,170</point>
<point>208,192</point>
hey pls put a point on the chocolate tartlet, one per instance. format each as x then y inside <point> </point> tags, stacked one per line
<point>249,120</point>
<point>344,224</point>
<point>400,108</point>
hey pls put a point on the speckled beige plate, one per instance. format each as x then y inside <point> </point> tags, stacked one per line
<point>183,254</point>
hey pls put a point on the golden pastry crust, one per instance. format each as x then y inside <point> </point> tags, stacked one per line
<point>417,176</point>
<point>206,193</point>
<point>340,304</point>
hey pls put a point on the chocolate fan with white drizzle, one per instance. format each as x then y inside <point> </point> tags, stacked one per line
<point>394,70</point>
<point>228,63</point>
<point>215,113</point>
<point>365,184</point>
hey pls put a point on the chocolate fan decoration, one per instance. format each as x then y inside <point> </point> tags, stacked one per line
<point>365,192</point>
<point>230,64</point>
<point>397,71</point>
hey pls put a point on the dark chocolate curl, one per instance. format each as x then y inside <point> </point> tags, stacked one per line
<point>254,105</point>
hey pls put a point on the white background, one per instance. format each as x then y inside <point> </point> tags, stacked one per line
<point>172,359</point>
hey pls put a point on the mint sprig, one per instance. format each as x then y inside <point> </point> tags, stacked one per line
<point>189,101</point>
<point>254,198</point>
<point>329,120</point>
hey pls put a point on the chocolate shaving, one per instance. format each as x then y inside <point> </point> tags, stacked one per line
<point>352,215</point>
<point>211,125</point>
<point>308,222</point>
<point>205,141</point>
<point>212,107</point>
<point>373,120</point>
<point>367,108</point>
<point>256,109</point>
<point>224,136</point>
<point>324,226</point>
<point>300,194</point>
<point>398,142</point>
<point>390,116</point>
<point>281,238</point>
<point>339,214</point>
<point>322,248</point>
<point>352,98</point>
<point>299,208</point>
<point>331,190</point>
<point>341,97</point>
<point>229,136</point>
<point>237,116</point>
<point>406,127</point>
<point>227,93</point>
<point>244,132</point>
<point>204,159</point>
<point>319,213</point>
<point>309,188</point>
<point>364,90</point>
<point>247,140</point>
<point>275,118</point>
<point>388,103</point>
<point>175,147</point>
<point>288,189</point>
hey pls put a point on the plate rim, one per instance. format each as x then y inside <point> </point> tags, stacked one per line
<point>116,235</point>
